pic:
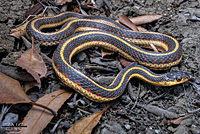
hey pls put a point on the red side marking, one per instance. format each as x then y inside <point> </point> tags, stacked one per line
<point>171,60</point>
<point>126,51</point>
<point>166,41</point>
<point>162,39</point>
<point>137,57</point>
<point>73,47</point>
<point>65,36</point>
<point>92,26</point>
<point>118,33</point>
<point>67,76</point>
<point>53,38</point>
<point>86,25</point>
<point>121,48</point>
<point>109,30</point>
<point>77,83</point>
<point>141,37</point>
<point>157,38</point>
<point>60,38</point>
<point>88,89</point>
<point>152,38</point>
<point>114,44</point>
<point>155,61</point>
<point>42,39</point>
<point>123,35</point>
<point>98,94</point>
<point>58,67</point>
<point>177,57</point>
<point>105,29</point>
<point>168,44</point>
<point>131,54</point>
<point>163,61</point>
<point>147,38</point>
<point>69,54</point>
<point>146,60</point>
<point>134,37</point>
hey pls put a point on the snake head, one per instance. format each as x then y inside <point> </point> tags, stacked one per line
<point>174,78</point>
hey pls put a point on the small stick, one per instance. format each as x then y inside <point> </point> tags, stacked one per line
<point>45,107</point>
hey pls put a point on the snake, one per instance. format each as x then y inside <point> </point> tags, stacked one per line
<point>76,32</point>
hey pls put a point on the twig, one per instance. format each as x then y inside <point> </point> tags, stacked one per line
<point>130,91</point>
<point>153,47</point>
<point>196,110</point>
<point>4,110</point>
<point>136,101</point>
<point>52,131</point>
<point>45,107</point>
<point>155,98</point>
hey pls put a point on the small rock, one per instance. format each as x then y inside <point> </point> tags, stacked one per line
<point>127,126</point>
<point>81,56</point>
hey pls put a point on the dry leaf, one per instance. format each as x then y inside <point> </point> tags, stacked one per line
<point>127,22</point>
<point>38,118</point>
<point>62,2</point>
<point>141,29</point>
<point>105,52</point>
<point>21,30</point>
<point>85,125</point>
<point>145,19</point>
<point>125,62</point>
<point>31,84</point>
<point>178,120</point>
<point>11,91</point>
<point>33,63</point>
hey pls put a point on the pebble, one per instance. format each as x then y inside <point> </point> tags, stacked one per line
<point>127,126</point>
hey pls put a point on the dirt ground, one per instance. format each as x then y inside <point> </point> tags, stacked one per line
<point>123,117</point>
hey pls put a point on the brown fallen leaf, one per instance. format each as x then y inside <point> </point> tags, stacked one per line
<point>15,73</point>
<point>127,22</point>
<point>145,19</point>
<point>62,2</point>
<point>125,62</point>
<point>178,120</point>
<point>85,125</point>
<point>33,63</point>
<point>38,118</point>
<point>30,84</point>
<point>141,29</point>
<point>21,30</point>
<point>105,52</point>
<point>11,91</point>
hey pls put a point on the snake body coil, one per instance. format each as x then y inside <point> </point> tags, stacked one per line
<point>103,32</point>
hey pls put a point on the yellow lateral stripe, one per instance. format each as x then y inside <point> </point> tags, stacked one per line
<point>69,24</point>
<point>133,47</point>
<point>63,59</point>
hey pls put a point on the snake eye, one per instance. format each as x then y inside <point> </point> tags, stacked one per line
<point>178,79</point>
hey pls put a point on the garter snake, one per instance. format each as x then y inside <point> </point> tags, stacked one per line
<point>80,32</point>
